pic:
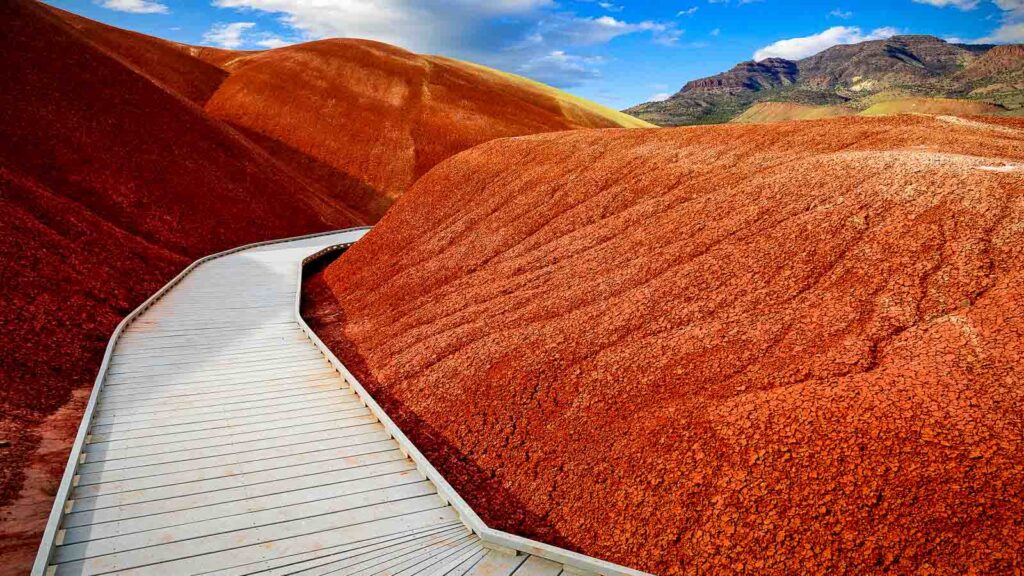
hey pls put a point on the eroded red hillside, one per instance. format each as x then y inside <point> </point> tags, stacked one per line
<point>376,117</point>
<point>795,348</point>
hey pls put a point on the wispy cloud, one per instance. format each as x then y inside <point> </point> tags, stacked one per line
<point>958,4</point>
<point>797,48</point>
<point>688,12</point>
<point>1011,28</point>
<point>841,14</point>
<point>228,35</point>
<point>135,6</point>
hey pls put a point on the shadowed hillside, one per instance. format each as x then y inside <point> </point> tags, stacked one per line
<point>792,348</point>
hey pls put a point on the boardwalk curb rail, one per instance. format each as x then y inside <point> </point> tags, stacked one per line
<point>571,562</point>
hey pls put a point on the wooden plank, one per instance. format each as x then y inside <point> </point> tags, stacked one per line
<point>195,414</point>
<point>182,394</point>
<point>536,566</point>
<point>398,562</point>
<point>230,549</point>
<point>222,374</point>
<point>104,452</point>
<point>94,511</point>
<point>309,449</point>
<point>321,494</point>
<point>228,482</point>
<point>201,530</point>
<point>197,362</point>
<point>344,559</point>
<point>460,563</point>
<point>218,353</point>
<point>239,470</point>
<point>441,553</point>
<point>380,547</point>
<point>112,433</point>
<point>497,564</point>
<point>227,451</point>
<point>325,386</point>
<point>463,568</point>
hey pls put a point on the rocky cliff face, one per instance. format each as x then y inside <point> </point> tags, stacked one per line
<point>748,76</point>
<point>856,75</point>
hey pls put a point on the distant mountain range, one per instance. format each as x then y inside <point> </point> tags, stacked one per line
<point>852,79</point>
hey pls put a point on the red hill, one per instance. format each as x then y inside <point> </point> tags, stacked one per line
<point>370,118</point>
<point>774,349</point>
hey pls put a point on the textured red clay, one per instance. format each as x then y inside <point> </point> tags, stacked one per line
<point>795,348</point>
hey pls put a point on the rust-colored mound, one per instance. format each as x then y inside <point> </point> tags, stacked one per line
<point>795,348</point>
<point>109,184</point>
<point>380,116</point>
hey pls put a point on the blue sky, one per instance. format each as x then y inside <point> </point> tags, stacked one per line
<point>617,52</point>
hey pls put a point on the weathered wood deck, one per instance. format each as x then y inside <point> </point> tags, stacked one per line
<point>221,440</point>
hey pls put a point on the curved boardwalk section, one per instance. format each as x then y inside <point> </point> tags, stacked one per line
<point>223,442</point>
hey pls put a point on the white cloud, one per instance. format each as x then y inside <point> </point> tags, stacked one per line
<point>1011,29</point>
<point>557,66</point>
<point>578,31</point>
<point>227,35</point>
<point>272,42</point>
<point>964,5</point>
<point>797,48</point>
<point>610,7</point>
<point>135,6</point>
<point>688,12</point>
<point>841,14</point>
<point>715,32</point>
<point>659,97</point>
<point>539,38</point>
<point>1009,33</point>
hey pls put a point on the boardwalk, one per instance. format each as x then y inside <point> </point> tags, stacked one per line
<point>222,441</point>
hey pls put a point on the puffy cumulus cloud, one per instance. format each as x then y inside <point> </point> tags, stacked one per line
<point>135,6</point>
<point>659,97</point>
<point>797,48</point>
<point>537,38</point>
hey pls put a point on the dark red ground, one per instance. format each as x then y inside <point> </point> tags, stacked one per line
<point>790,349</point>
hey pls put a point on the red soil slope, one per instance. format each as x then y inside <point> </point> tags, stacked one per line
<point>109,184</point>
<point>795,348</point>
<point>166,63</point>
<point>379,116</point>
